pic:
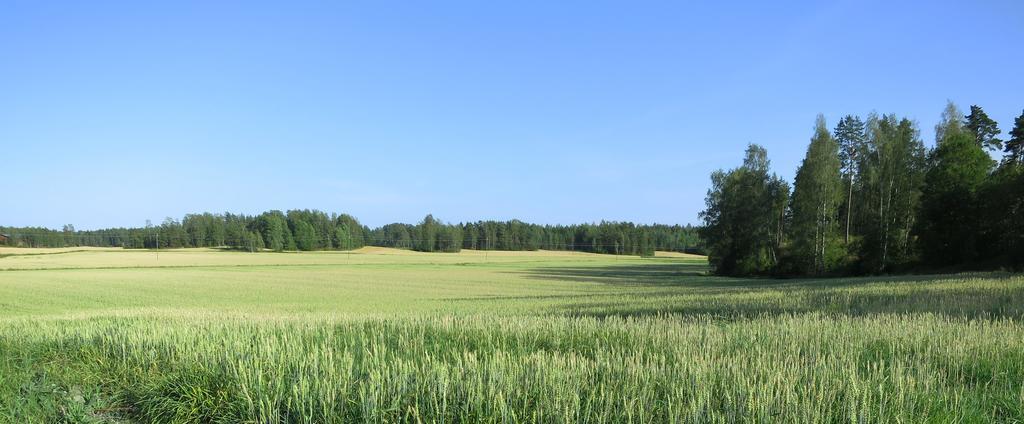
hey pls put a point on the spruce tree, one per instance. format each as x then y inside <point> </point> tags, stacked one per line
<point>817,196</point>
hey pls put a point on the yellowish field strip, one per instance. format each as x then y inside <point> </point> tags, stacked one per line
<point>20,259</point>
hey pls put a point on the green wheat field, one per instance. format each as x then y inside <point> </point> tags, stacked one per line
<point>381,335</point>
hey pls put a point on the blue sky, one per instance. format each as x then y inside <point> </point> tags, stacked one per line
<point>112,113</point>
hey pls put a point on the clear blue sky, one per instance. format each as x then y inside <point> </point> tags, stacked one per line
<point>112,113</point>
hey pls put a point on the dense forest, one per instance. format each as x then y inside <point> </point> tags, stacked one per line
<point>316,230</point>
<point>869,197</point>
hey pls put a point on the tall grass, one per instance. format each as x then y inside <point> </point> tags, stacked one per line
<point>609,341</point>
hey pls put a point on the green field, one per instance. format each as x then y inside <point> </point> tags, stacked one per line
<point>379,335</point>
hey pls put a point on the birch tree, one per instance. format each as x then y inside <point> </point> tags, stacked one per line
<point>892,175</point>
<point>951,122</point>
<point>817,196</point>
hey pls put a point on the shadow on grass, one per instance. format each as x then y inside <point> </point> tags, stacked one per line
<point>682,274</point>
<point>742,312</point>
<point>970,305</point>
<point>686,290</point>
<point>698,276</point>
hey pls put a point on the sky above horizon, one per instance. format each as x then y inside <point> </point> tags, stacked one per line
<point>112,113</point>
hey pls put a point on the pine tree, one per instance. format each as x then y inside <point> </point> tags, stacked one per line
<point>983,128</point>
<point>849,133</point>
<point>1015,145</point>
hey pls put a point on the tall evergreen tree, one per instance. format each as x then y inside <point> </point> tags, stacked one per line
<point>983,128</point>
<point>849,133</point>
<point>1015,145</point>
<point>817,196</point>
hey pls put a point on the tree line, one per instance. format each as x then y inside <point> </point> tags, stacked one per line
<point>608,237</point>
<point>869,197</point>
<point>306,230</point>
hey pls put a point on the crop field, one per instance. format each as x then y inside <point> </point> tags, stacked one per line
<point>381,335</point>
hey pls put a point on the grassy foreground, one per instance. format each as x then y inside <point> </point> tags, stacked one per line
<point>95,335</point>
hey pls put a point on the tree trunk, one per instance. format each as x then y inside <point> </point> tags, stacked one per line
<point>885,222</point>
<point>849,209</point>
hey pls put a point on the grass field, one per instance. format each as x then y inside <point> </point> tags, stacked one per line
<point>380,335</point>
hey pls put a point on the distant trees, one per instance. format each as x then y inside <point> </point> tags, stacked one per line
<point>240,233</point>
<point>604,237</point>
<point>305,237</point>
<point>171,234</point>
<point>449,239</point>
<point>349,233</point>
<point>315,230</point>
<point>273,229</point>
<point>426,235</point>
<point>900,204</point>
<point>393,235</point>
<point>435,236</point>
<point>205,230</point>
<point>624,238</point>
<point>69,235</point>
